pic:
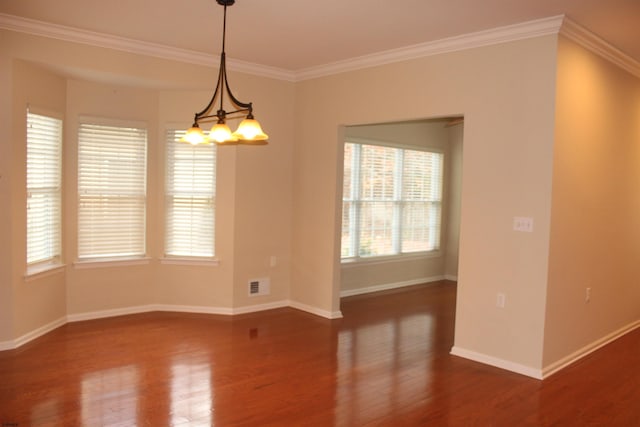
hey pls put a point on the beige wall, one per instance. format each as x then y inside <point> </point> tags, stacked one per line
<point>454,201</point>
<point>506,94</point>
<point>200,285</point>
<point>254,195</point>
<point>366,275</point>
<point>44,297</point>
<point>253,219</point>
<point>264,196</point>
<point>595,221</point>
<point>283,200</point>
<point>6,148</point>
<point>110,286</point>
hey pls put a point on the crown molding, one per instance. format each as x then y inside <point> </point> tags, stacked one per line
<point>553,25</point>
<point>590,41</point>
<point>530,29</point>
<point>91,38</point>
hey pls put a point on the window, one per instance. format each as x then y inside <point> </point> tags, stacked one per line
<point>112,170</point>
<point>44,153</point>
<point>190,197</point>
<point>392,201</point>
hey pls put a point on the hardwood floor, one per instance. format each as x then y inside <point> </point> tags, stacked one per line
<point>387,363</point>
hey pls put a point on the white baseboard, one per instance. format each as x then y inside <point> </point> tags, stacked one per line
<point>387,286</point>
<point>220,310</point>
<point>246,309</point>
<point>175,308</point>
<point>551,369</point>
<point>260,307</point>
<point>32,335</point>
<point>101,314</point>
<point>554,367</point>
<point>498,363</point>
<point>198,309</point>
<point>316,311</point>
<point>451,277</point>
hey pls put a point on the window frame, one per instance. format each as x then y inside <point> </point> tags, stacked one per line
<point>55,260</point>
<point>355,258</point>
<point>176,258</point>
<point>113,259</point>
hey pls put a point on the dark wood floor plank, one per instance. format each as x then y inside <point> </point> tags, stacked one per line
<point>386,363</point>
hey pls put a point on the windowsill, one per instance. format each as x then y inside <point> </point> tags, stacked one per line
<point>361,261</point>
<point>110,262</point>
<point>39,271</point>
<point>203,261</point>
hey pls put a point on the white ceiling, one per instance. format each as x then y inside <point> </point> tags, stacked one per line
<point>295,35</point>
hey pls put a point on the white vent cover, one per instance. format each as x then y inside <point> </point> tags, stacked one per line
<point>259,287</point>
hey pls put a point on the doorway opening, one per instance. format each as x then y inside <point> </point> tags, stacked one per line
<point>402,185</point>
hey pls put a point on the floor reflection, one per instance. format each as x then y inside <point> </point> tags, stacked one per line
<point>46,410</point>
<point>191,395</point>
<point>110,397</point>
<point>381,367</point>
<point>386,362</point>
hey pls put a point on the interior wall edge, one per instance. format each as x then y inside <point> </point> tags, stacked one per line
<point>558,365</point>
<point>318,312</point>
<point>497,362</point>
<point>32,335</point>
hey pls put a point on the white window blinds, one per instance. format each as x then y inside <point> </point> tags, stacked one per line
<point>112,170</point>
<point>421,200</point>
<point>392,201</point>
<point>190,197</point>
<point>44,159</point>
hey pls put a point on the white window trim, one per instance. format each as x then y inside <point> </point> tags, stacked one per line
<point>181,260</point>
<point>90,261</point>
<point>50,266</point>
<point>382,143</point>
<point>110,262</point>
<point>184,259</point>
<point>44,269</point>
<point>355,261</point>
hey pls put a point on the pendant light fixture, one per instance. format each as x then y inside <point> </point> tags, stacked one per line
<point>249,131</point>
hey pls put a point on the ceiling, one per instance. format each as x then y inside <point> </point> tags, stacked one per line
<point>296,35</point>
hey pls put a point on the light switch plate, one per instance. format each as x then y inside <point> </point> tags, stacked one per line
<point>523,223</point>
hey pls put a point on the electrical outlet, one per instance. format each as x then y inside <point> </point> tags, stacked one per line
<point>587,295</point>
<point>501,300</point>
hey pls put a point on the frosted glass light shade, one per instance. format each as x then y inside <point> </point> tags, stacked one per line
<point>221,133</point>
<point>250,132</point>
<point>194,136</point>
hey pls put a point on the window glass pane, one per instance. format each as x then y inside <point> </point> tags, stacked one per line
<point>421,226</point>
<point>377,178</point>
<point>111,191</point>
<point>190,197</point>
<point>347,225</point>
<point>421,193</point>
<point>391,202</point>
<point>376,229</point>
<point>347,183</point>
<point>416,175</point>
<point>44,149</point>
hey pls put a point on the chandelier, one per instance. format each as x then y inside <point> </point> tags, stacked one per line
<point>249,131</point>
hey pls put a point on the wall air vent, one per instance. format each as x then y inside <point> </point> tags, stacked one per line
<point>259,287</point>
